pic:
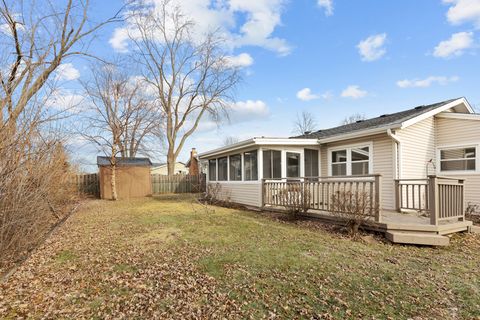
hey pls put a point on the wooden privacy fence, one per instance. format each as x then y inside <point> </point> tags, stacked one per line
<point>87,184</point>
<point>178,183</point>
<point>319,192</point>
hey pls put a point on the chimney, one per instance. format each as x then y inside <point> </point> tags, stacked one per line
<point>193,167</point>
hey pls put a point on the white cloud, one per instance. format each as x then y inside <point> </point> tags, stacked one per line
<point>327,5</point>
<point>327,95</point>
<point>455,46</point>
<point>372,48</point>
<point>240,61</point>
<point>354,92</point>
<point>306,95</point>
<point>248,110</point>
<point>65,100</point>
<point>427,82</point>
<point>463,11</point>
<point>241,22</point>
<point>67,71</point>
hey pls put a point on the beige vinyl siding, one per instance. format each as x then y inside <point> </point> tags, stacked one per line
<point>451,132</point>
<point>383,162</point>
<point>242,192</point>
<point>417,149</point>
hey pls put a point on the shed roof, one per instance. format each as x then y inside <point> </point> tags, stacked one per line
<point>125,162</point>
<point>377,122</point>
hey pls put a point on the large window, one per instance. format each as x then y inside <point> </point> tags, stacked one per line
<point>212,169</point>
<point>222,169</point>
<point>250,165</point>
<point>311,163</point>
<point>272,164</point>
<point>293,165</point>
<point>350,161</point>
<point>459,159</point>
<point>339,163</point>
<point>360,160</point>
<point>236,167</point>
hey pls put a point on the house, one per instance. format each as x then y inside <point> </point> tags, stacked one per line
<point>132,176</point>
<point>161,168</point>
<point>393,153</point>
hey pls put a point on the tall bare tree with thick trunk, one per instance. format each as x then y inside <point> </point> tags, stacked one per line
<point>190,72</point>
<point>119,117</point>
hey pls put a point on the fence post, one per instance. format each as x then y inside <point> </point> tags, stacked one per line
<point>397,195</point>
<point>378,198</point>
<point>433,199</point>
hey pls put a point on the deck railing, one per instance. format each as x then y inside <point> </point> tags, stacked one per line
<point>441,197</point>
<point>446,199</point>
<point>411,194</point>
<point>319,191</point>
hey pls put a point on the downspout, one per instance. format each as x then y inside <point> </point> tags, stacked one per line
<point>398,159</point>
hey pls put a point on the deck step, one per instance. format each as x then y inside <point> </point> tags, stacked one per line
<point>429,239</point>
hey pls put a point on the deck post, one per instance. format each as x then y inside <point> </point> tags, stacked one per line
<point>263,194</point>
<point>433,199</point>
<point>397,195</point>
<point>378,198</point>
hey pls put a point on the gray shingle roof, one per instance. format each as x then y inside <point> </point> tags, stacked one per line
<point>134,162</point>
<point>378,122</point>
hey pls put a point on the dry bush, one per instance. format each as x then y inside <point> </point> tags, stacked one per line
<point>35,191</point>
<point>354,207</point>
<point>296,198</point>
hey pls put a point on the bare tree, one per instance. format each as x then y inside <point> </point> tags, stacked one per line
<point>230,140</point>
<point>304,123</point>
<point>190,73</point>
<point>37,38</point>
<point>353,118</point>
<point>119,117</point>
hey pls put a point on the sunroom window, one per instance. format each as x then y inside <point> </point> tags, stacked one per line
<point>458,159</point>
<point>350,161</point>
<point>272,164</point>
<point>236,167</point>
<point>212,169</point>
<point>311,163</point>
<point>222,169</point>
<point>293,165</point>
<point>250,164</point>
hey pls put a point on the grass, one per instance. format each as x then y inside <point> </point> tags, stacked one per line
<point>168,258</point>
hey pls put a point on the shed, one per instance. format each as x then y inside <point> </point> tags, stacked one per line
<point>133,179</point>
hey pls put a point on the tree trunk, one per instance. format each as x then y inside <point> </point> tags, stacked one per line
<point>171,162</point>
<point>113,179</point>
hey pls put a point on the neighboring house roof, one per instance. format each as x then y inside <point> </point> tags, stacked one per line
<point>124,162</point>
<point>383,121</point>
<point>159,165</point>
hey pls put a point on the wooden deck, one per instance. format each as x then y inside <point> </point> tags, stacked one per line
<point>406,227</point>
<point>426,209</point>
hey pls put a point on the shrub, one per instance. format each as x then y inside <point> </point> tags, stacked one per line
<point>354,207</point>
<point>296,198</point>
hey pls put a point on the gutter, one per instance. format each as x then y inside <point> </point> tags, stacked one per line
<point>398,153</point>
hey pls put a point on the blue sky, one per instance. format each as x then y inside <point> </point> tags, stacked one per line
<point>332,58</point>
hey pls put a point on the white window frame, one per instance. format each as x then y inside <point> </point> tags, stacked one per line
<point>300,165</point>
<point>461,146</point>
<point>282,163</point>
<point>349,148</point>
